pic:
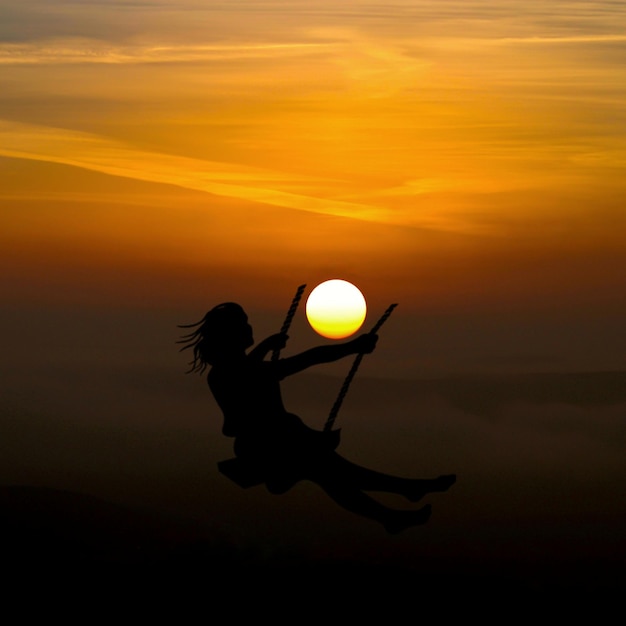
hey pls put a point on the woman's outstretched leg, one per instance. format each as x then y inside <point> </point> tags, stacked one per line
<point>354,500</point>
<point>333,468</point>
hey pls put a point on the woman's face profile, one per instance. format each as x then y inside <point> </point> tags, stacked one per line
<point>241,330</point>
<point>249,334</point>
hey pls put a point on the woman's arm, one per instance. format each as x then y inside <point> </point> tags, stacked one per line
<point>364,344</point>
<point>273,342</point>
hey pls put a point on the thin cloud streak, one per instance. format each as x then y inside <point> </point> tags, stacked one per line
<point>95,153</point>
<point>556,40</point>
<point>74,51</point>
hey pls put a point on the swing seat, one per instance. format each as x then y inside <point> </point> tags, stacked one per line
<point>247,471</point>
<point>246,474</point>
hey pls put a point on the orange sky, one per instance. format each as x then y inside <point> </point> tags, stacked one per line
<point>454,156</point>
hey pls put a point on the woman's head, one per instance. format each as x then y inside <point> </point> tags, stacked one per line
<point>223,332</point>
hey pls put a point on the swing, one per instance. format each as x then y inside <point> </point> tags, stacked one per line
<point>246,473</point>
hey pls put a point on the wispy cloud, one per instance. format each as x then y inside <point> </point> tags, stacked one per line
<point>118,159</point>
<point>73,51</point>
<point>588,38</point>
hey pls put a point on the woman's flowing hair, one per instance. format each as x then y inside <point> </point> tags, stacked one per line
<point>212,335</point>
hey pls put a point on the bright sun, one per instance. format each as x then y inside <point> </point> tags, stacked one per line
<point>336,309</point>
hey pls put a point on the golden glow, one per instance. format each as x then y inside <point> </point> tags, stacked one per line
<point>433,151</point>
<point>336,309</point>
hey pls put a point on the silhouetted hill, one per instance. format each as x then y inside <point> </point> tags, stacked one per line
<point>52,526</point>
<point>54,538</point>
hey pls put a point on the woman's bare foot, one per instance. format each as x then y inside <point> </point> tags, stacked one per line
<point>422,487</point>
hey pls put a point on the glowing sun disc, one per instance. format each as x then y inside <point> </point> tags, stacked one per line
<point>336,309</point>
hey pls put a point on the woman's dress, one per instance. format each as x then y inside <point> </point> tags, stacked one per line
<point>271,445</point>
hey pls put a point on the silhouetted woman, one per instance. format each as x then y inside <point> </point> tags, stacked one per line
<point>281,448</point>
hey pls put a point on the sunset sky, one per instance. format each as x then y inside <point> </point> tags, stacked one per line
<point>466,159</point>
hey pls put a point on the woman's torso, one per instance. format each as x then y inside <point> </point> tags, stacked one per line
<point>249,396</point>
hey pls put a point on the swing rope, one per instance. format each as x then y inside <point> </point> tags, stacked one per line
<point>289,318</point>
<point>330,422</point>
